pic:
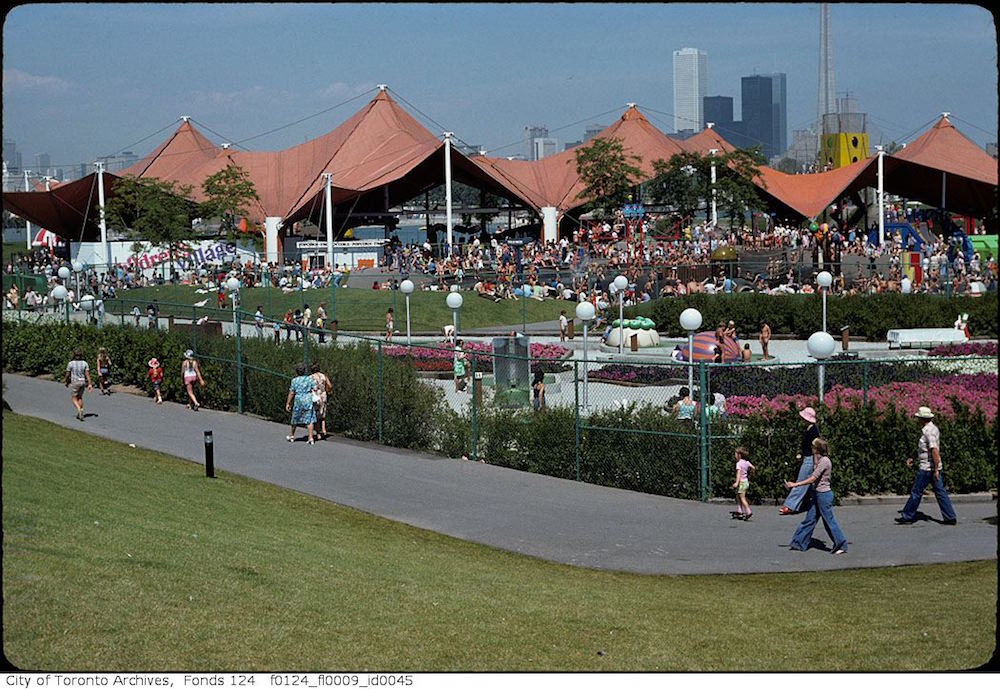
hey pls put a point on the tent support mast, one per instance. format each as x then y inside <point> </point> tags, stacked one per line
<point>27,224</point>
<point>881,199</point>
<point>447,185</point>
<point>327,197</point>
<point>105,247</point>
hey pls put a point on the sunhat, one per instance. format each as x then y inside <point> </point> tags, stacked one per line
<point>809,414</point>
<point>924,413</point>
<point>154,362</point>
<point>188,353</point>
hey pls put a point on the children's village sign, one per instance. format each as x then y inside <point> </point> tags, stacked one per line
<point>192,257</point>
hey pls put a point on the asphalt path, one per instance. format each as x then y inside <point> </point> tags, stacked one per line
<point>553,519</point>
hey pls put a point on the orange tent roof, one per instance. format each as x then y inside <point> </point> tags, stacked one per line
<point>706,140</point>
<point>944,148</point>
<point>69,210</point>
<point>177,159</point>
<point>809,195</point>
<point>553,181</point>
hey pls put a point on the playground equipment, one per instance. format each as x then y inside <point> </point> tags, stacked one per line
<point>704,348</point>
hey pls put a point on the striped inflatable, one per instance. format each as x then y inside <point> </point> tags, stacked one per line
<point>704,348</point>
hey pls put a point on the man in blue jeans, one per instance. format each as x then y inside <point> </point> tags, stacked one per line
<point>928,471</point>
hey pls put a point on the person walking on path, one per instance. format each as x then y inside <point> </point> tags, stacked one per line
<point>156,377</point>
<point>563,326</point>
<point>104,371</point>
<point>77,378</point>
<point>321,321</point>
<point>765,339</point>
<point>300,392</point>
<point>742,483</point>
<point>793,503</point>
<point>152,314</point>
<point>928,471</point>
<point>189,374</point>
<point>820,504</point>
<point>389,326</point>
<point>323,388</point>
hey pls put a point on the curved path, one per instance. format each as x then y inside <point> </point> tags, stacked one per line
<point>553,519</point>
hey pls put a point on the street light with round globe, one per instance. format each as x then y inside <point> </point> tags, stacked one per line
<point>824,280</point>
<point>585,312</point>
<point>621,284</point>
<point>406,287</point>
<point>690,321</point>
<point>820,346</point>
<point>454,302</point>
<point>64,273</point>
<point>59,293</point>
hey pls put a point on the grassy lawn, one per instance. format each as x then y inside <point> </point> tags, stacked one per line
<point>120,558</point>
<point>364,309</point>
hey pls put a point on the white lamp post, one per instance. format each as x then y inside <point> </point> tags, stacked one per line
<point>824,280</point>
<point>621,283</point>
<point>715,214</point>
<point>63,273</point>
<point>406,287</point>
<point>59,294</point>
<point>820,346</point>
<point>585,312</point>
<point>77,267</point>
<point>690,321</point>
<point>233,285</point>
<point>454,301</point>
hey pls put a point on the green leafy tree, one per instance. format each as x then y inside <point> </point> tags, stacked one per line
<point>608,174</point>
<point>681,183</point>
<point>737,177</point>
<point>153,210</point>
<point>787,165</point>
<point>229,194</point>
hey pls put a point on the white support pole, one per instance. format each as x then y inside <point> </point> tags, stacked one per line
<point>715,213</point>
<point>271,223</point>
<point>27,224</point>
<point>327,199</point>
<point>944,179</point>
<point>105,247</point>
<point>447,184</point>
<point>881,198</point>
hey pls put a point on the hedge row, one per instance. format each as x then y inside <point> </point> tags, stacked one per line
<point>637,447</point>
<point>800,315</point>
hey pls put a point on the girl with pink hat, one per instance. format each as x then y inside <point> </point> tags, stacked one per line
<point>156,377</point>
<point>793,503</point>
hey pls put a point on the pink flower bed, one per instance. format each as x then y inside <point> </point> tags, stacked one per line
<point>975,392</point>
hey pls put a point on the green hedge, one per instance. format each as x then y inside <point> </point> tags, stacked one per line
<point>636,448</point>
<point>800,315</point>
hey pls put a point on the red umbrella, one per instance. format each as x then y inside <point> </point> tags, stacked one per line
<point>704,348</point>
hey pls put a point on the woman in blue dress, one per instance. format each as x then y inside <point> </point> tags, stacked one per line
<point>300,393</point>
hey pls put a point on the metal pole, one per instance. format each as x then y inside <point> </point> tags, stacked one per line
<point>407,320</point>
<point>209,455</point>
<point>576,414</point>
<point>329,219</point>
<point>237,323</point>
<point>379,391</point>
<point>105,247</point>
<point>703,429</point>
<point>881,199</point>
<point>585,364</point>
<point>824,308</point>
<point>621,321</point>
<point>821,382</point>
<point>691,361</point>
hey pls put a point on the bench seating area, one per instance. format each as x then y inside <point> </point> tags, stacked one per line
<point>924,337</point>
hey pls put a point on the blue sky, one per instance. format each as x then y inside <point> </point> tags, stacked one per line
<point>84,80</point>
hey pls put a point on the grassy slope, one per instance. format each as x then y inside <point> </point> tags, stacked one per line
<point>120,558</point>
<point>364,309</point>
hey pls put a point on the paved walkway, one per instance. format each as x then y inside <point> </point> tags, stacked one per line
<point>553,519</point>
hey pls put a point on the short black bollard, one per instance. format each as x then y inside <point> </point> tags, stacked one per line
<point>209,455</point>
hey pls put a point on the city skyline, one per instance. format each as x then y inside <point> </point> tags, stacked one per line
<point>56,103</point>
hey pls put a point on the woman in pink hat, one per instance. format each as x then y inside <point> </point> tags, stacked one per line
<point>793,503</point>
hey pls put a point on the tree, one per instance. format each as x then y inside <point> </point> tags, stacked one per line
<point>153,210</point>
<point>681,182</point>
<point>229,194</point>
<point>736,186</point>
<point>787,165</point>
<point>608,174</point>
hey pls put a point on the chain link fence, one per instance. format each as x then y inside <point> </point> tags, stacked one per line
<point>650,426</point>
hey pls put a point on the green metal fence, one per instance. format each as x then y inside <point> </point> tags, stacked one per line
<point>605,422</point>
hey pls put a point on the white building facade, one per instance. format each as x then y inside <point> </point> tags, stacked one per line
<point>690,86</point>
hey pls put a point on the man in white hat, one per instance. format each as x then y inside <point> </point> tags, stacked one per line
<point>928,471</point>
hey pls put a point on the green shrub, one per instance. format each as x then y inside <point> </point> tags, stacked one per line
<point>800,315</point>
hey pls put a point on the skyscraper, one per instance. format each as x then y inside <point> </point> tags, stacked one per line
<point>718,110</point>
<point>532,132</point>
<point>690,80</point>
<point>765,113</point>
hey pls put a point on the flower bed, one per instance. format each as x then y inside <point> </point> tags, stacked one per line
<point>965,349</point>
<point>439,357</point>
<point>639,375</point>
<point>977,393</point>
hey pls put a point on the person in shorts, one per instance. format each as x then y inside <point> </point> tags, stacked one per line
<point>156,377</point>
<point>76,379</point>
<point>104,370</point>
<point>742,483</point>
